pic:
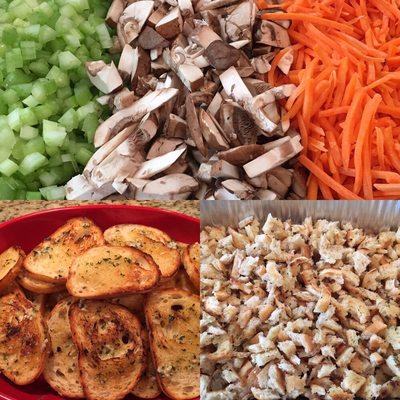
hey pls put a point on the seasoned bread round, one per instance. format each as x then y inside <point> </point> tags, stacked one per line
<point>67,242</point>
<point>167,258</point>
<point>29,282</point>
<point>109,339</point>
<point>149,231</point>
<point>108,271</point>
<point>191,262</point>
<point>147,387</point>
<point>172,317</point>
<point>61,370</point>
<point>10,265</point>
<point>23,343</point>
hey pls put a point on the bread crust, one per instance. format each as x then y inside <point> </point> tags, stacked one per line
<point>109,339</point>
<point>191,262</point>
<point>109,271</point>
<point>167,258</point>
<point>23,341</point>
<point>29,282</point>
<point>176,356</point>
<point>70,240</point>
<point>61,370</point>
<point>11,262</point>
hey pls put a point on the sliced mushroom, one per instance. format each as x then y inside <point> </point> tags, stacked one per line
<point>186,7</point>
<point>80,188</point>
<point>133,19</point>
<point>169,187</point>
<point>211,133</point>
<point>273,158</point>
<point>273,34</point>
<point>285,63</point>
<point>213,4</point>
<point>156,15</point>
<point>150,39</point>
<point>105,77</point>
<point>240,189</point>
<point>222,169</point>
<point>126,61</point>
<point>220,55</point>
<point>242,154</point>
<point>123,99</point>
<point>132,114</point>
<point>193,125</point>
<point>114,12</point>
<point>171,24</point>
<point>158,164</point>
<point>175,127</point>
<point>238,22</point>
<point>162,146</point>
<point>234,85</point>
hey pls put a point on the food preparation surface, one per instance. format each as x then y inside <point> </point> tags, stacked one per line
<point>12,209</point>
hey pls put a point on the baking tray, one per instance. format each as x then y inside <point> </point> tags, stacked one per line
<point>29,230</point>
<point>370,215</point>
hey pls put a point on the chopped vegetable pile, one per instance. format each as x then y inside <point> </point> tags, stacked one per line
<point>346,105</point>
<point>48,114</point>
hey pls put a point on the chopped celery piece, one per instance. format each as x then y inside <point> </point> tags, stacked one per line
<point>10,96</point>
<point>7,137</point>
<point>8,167</point>
<point>60,78</point>
<point>104,36</point>
<point>46,34</point>
<point>35,145</point>
<point>47,179</point>
<point>33,196</point>
<point>17,77</point>
<point>82,94</point>
<point>83,156</point>
<point>28,132</point>
<point>64,92</point>
<point>31,163</point>
<point>30,101</point>
<point>28,50</point>
<point>89,108</point>
<point>14,60</point>
<point>6,191</point>
<point>27,117</point>
<point>68,61</point>
<point>89,126</point>
<point>53,133</point>
<point>23,89</point>
<point>79,5</point>
<point>14,119</point>
<point>69,120</point>
<point>53,192</point>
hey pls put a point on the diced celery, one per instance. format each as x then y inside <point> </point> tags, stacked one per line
<point>53,192</point>
<point>20,194</point>
<point>14,60</point>
<point>60,78</point>
<point>82,94</point>
<point>39,67</point>
<point>17,77</point>
<point>8,167</point>
<point>89,126</point>
<point>14,119</point>
<point>35,145</point>
<point>69,120</point>
<point>53,133</point>
<point>28,117</point>
<point>83,156</point>
<point>23,89</point>
<point>42,88</point>
<point>9,35</point>
<point>44,111</point>
<point>47,179</point>
<point>55,160</point>
<point>79,5</point>
<point>46,34</point>
<point>65,92</point>
<point>31,163</point>
<point>30,101</point>
<point>68,61</point>
<point>32,31</point>
<point>10,96</point>
<point>33,196</point>
<point>6,192</point>
<point>28,50</point>
<point>89,108</point>
<point>28,132</point>
<point>104,36</point>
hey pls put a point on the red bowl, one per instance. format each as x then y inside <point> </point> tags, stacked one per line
<point>29,230</point>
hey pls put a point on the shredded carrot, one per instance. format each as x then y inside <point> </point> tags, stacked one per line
<point>346,104</point>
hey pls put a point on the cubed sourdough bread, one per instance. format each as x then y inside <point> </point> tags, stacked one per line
<point>61,370</point>
<point>112,356</point>
<point>23,342</point>
<point>191,262</point>
<point>147,387</point>
<point>172,317</point>
<point>168,259</point>
<point>10,265</point>
<point>108,271</point>
<point>29,282</point>
<point>51,259</point>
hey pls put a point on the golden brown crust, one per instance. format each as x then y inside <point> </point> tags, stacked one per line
<point>10,265</point>
<point>23,342</point>
<point>172,317</point>
<point>191,262</point>
<point>110,344</point>
<point>167,258</point>
<point>70,240</point>
<point>61,370</point>
<point>109,271</point>
<point>29,282</point>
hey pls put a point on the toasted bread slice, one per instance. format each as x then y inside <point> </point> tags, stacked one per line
<point>111,357</point>
<point>50,260</point>
<point>149,231</point>
<point>29,282</point>
<point>191,262</point>
<point>23,343</point>
<point>172,316</point>
<point>147,387</point>
<point>108,271</point>
<point>133,302</point>
<point>179,281</point>
<point>61,370</point>
<point>167,259</point>
<point>10,265</point>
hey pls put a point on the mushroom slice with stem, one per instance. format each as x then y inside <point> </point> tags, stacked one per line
<point>242,154</point>
<point>171,24</point>
<point>211,133</point>
<point>80,188</point>
<point>105,77</point>
<point>114,12</point>
<point>132,114</point>
<point>234,85</point>
<point>272,34</point>
<point>194,126</point>
<point>240,189</point>
<point>150,39</point>
<point>125,65</point>
<point>222,169</point>
<point>133,19</point>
